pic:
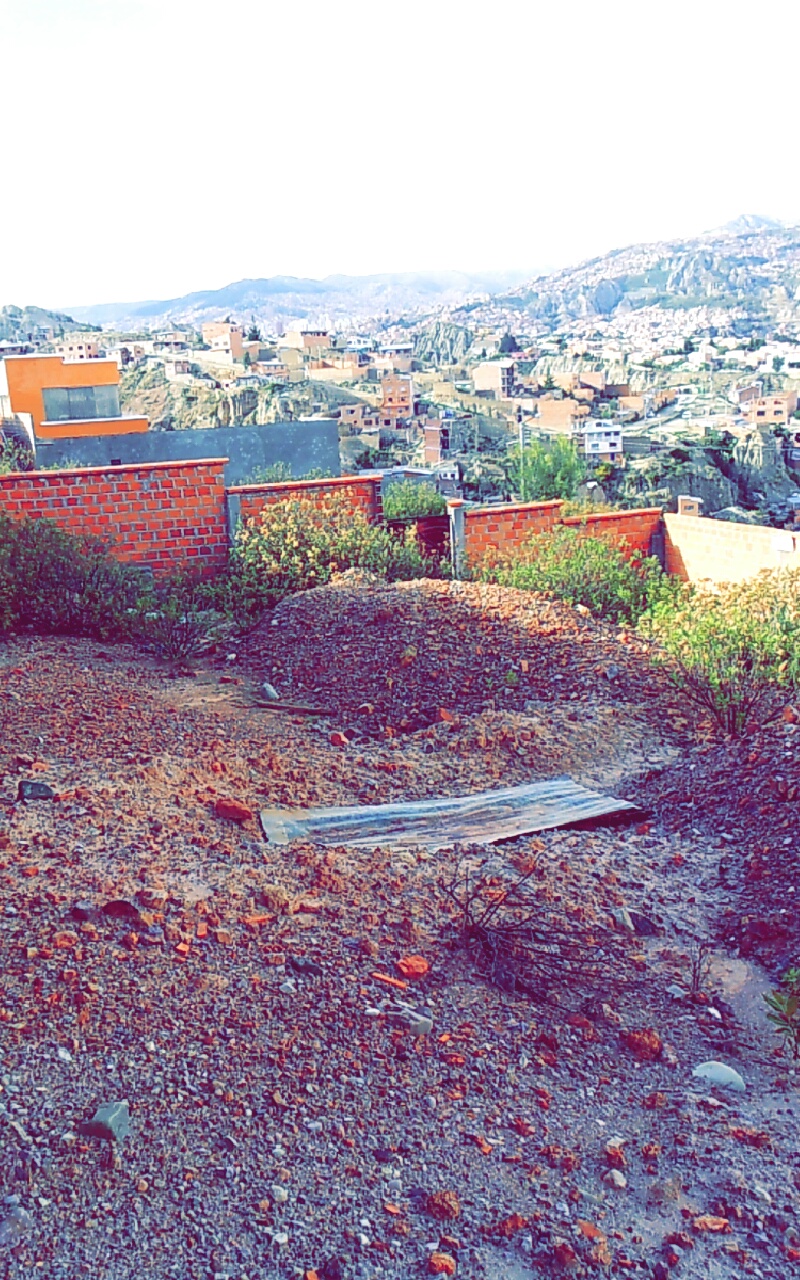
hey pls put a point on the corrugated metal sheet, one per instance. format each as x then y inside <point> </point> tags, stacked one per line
<point>484,818</point>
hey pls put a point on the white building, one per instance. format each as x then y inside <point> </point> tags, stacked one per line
<point>602,440</point>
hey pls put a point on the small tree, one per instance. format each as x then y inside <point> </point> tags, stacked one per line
<point>508,344</point>
<point>253,333</point>
<point>777,363</point>
<point>540,472</point>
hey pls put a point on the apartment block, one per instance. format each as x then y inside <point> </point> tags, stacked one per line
<point>65,398</point>
<point>771,410</point>
<point>78,346</point>
<point>397,398</point>
<point>602,441</point>
<point>221,335</point>
<point>494,378</point>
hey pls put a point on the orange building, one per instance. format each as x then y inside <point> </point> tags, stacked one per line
<point>397,398</point>
<point>65,398</point>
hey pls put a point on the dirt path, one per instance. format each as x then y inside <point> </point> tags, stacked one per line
<point>281,1117</point>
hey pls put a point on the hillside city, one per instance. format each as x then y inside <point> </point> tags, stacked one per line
<point>399,775</point>
<point>673,368</point>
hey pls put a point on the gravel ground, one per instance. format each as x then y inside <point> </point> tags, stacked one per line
<point>285,1120</point>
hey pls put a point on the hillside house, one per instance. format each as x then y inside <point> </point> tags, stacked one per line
<point>65,398</point>
<point>770,410</point>
<point>78,346</point>
<point>602,441</point>
<point>494,378</point>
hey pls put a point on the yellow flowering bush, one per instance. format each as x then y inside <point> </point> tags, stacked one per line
<point>299,543</point>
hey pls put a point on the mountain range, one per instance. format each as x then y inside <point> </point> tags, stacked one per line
<point>284,298</point>
<point>751,265</point>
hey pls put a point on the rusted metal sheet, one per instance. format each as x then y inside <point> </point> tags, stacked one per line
<point>484,818</point>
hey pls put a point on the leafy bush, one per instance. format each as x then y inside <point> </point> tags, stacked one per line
<point>407,500</point>
<point>731,648</point>
<point>57,582</point>
<point>544,471</point>
<point>300,543</point>
<point>784,1006</point>
<point>567,564</point>
<point>179,616</point>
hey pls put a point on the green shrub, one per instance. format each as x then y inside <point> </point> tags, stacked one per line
<point>566,564</point>
<point>59,583</point>
<point>784,1006</point>
<point>408,500</point>
<point>300,543</point>
<point>543,471</point>
<point>733,647</point>
<point>179,616</point>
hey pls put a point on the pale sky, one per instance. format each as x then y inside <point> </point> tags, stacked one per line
<point>152,147</point>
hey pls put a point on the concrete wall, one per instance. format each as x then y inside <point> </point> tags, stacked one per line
<point>304,446</point>
<point>699,548</point>
<point>165,515</point>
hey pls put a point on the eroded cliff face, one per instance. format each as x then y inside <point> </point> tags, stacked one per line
<point>443,343</point>
<point>758,463</point>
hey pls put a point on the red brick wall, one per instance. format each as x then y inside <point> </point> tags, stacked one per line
<point>636,527</point>
<point>491,529</point>
<point>163,514</point>
<point>364,493</point>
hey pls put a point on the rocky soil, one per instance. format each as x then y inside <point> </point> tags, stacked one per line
<point>287,1117</point>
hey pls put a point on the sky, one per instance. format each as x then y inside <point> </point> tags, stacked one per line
<point>153,147</point>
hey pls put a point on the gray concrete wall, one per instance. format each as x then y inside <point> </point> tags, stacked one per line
<point>304,446</point>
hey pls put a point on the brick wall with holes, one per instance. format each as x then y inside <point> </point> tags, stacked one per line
<point>363,493</point>
<point>165,515</point>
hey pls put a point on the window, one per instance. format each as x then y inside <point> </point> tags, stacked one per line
<point>67,403</point>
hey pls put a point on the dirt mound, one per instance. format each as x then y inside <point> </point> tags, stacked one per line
<point>397,659</point>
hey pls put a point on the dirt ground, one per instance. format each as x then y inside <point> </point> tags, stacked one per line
<point>286,1118</point>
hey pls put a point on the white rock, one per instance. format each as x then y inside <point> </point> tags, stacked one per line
<point>615,1179</point>
<point>279,1194</point>
<point>717,1073</point>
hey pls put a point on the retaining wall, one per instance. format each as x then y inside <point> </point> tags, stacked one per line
<point>698,548</point>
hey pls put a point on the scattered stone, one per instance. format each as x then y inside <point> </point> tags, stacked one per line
<point>29,790</point>
<point>302,965</point>
<point>622,919</point>
<point>717,1073</point>
<point>279,1194</point>
<point>270,692</point>
<point>110,1122</point>
<point>232,810</point>
<point>643,925</point>
<point>413,967</point>
<point>122,909</point>
<point>644,1044</point>
<point>274,897</point>
<point>441,1264</point>
<point>442,1205</point>
<point>17,1224</point>
<point>615,1178</point>
<point>709,1222</point>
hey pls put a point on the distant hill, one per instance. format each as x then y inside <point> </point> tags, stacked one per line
<point>16,323</point>
<point>280,298</point>
<point>752,264</point>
